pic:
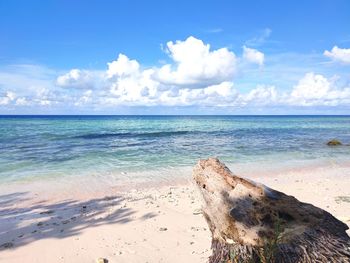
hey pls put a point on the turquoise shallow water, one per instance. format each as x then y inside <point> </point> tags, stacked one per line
<point>39,147</point>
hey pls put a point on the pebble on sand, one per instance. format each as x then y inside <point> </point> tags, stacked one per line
<point>101,260</point>
<point>197,212</point>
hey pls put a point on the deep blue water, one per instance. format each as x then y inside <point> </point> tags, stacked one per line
<point>36,147</point>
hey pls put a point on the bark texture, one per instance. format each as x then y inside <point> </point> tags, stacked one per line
<point>250,222</point>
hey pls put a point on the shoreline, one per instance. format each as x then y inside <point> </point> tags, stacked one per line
<point>84,186</point>
<point>142,224</point>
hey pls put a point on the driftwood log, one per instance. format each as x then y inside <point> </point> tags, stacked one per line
<point>250,222</point>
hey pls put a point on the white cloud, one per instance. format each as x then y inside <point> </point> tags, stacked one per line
<point>196,76</point>
<point>195,65</point>
<point>253,56</point>
<point>262,95</point>
<point>128,83</point>
<point>22,101</point>
<point>140,89</point>
<point>339,54</point>
<point>311,86</point>
<point>11,95</point>
<point>44,102</point>
<point>315,89</point>
<point>7,98</point>
<point>123,66</point>
<point>75,78</point>
<point>33,85</point>
<point>222,94</point>
<point>85,98</point>
<point>46,97</point>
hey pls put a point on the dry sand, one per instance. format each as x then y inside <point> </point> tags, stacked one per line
<point>147,225</point>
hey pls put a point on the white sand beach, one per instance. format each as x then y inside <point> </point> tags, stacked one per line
<point>149,224</point>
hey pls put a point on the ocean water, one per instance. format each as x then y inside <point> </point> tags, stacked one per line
<point>36,148</point>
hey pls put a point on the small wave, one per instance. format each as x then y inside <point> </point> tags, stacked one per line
<point>129,134</point>
<point>162,134</point>
<point>102,135</point>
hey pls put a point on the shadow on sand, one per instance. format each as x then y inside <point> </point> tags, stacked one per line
<point>21,224</point>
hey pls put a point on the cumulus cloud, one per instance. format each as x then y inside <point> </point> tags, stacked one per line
<point>196,65</point>
<point>200,76</point>
<point>123,66</point>
<point>22,101</point>
<point>339,54</point>
<point>84,99</point>
<point>33,86</point>
<point>195,76</point>
<point>253,56</point>
<point>262,95</point>
<point>129,83</point>
<point>75,78</point>
<point>222,94</point>
<point>311,90</point>
<point>46,97</point>
<point>8,97</point>
<point>315,89</point>
<point>134,89</point>
<point>311,86</point>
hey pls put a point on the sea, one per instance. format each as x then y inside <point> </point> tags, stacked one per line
<point>141,149</point>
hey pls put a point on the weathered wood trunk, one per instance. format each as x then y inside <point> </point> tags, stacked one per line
<point>250,222</point>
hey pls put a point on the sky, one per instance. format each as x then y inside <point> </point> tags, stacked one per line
<point>174,57</point>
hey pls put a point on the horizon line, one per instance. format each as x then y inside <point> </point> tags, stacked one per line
<point>165,115</point>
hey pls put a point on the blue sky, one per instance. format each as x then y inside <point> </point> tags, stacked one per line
<point>174,57</point>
